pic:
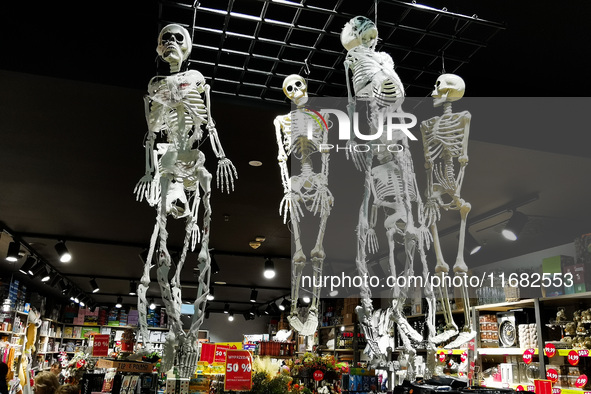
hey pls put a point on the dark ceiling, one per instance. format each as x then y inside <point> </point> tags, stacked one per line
<point>71,116</point>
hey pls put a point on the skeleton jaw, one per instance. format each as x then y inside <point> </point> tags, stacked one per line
<point>439,99</point>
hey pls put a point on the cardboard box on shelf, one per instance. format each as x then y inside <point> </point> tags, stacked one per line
<point>177,386</point>
<point>553,265</point>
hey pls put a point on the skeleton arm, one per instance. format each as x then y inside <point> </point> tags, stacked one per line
<point>282,155</point>
<point>226,172</point>
<point>359,162</point>
<point>431,208</point>
<point>146,187</point>
<point>463,159</point>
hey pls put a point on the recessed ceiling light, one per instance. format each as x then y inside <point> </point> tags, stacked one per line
<point>255,163</point>
<point>220,283</point>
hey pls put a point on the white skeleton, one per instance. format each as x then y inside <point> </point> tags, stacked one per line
<point>177,106</point>
<point>445,140</point>
<point>392,186</point>
<point>309,188</point>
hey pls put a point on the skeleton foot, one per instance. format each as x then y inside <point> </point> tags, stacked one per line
<point>295,323</point>
<point>405,327</point>
<point>464,337</point>
<point>311,324</point>
<point>450,332</point>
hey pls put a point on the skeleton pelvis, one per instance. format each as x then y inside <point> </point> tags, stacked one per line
<point>181,164</point>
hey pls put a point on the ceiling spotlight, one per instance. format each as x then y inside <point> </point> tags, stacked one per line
<point>38,269</point>
<point>253,295</point>
<point>284,304</point>
<point>119,302</point>
<point>334,293</point>
<point>254,244</point>
<point>269,310</point>
<point>231,317</point>
<point>53,282</point>
<point>13,249</point>
<point>27,265</point>
<point>211,295</point>
<point>47,275</point>
<point>82,303</point>
<point>94,285</point>
<point>63,252</point>
<point>306,299</point>
<point>63,285</point>
<point>269,269</point>
<point>214,267</point>
<point>227,308</point>
<point>132,288</point>
<point>252,310</point>
<point>514,226</point>
<point>471,245</point>
<point>152,305</point>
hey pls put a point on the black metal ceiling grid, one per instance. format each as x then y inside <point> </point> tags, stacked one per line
<point>247,48</point>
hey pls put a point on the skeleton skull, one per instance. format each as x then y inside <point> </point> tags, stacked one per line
<point>296,89</point>
<point>174,45</point>
<point>449,87</point>
<point>359,31</point>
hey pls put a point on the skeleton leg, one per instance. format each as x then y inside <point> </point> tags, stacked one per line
<point>298,261</point>
<point>144,285</point>
<point>398,294</point>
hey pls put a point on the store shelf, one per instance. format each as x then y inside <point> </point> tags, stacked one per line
<point>505,306</point>
<point>507,351</point>
<point>570,391</point>
<point>455,311</point>
<point>514,386</point>
<point>452,351</point>
<point>581,352</point>
<point>567,297</point>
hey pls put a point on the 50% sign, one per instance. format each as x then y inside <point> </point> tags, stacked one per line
<point>238,370</point>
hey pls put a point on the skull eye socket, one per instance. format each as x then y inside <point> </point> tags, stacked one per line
<point>438,83</point>
<point>177,36</point>
<point>289,88</point>
<point>298,84</point>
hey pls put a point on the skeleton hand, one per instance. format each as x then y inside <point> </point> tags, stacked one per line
<point>357,157</point>
<point>145,188</point>
<point>226,174</point>
<point>282,157</point>
<point>195,235</point>
<point>290,203</point>
<point>432,213</point>
<point>323,199</point>
<point>372,241</point>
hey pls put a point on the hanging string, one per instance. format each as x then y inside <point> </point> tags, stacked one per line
<point>442,62</point>
<point>195,5</point>
<point>376,13</point>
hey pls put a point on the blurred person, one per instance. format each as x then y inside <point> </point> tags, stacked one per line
<point>45,383</point>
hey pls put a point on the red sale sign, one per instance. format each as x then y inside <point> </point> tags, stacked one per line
<point>552,375</point>
<point>519,388</point>
<point>464,357</point>
<point>573,357</point>
<point>583,353</point>
<point>550,350</point>
<point>528,356</point>
<point>442,357</point>
<point>220,353</point>
<point>100,347</point>
<point>581,381</point>
<point>238,370</point>
<point>318,375</point>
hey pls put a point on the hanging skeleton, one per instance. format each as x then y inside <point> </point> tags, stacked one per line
<point>445,141</point>
<point>308,188</point>
<point>389,185</point>
<point>177,107</point>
